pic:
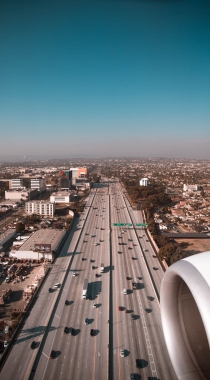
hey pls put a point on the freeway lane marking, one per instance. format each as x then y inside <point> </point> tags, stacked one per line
<point>57,316</point>
<point>45,355</point>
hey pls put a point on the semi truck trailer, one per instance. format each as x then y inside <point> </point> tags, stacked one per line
<point>84,291</point>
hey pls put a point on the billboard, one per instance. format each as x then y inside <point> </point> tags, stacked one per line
<point>42,247</point>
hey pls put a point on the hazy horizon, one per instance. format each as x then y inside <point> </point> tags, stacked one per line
<point>105,78</point>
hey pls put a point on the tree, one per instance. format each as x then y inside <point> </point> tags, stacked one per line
<point>20,227</point>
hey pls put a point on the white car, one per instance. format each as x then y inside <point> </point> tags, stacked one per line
<point>122,353</point>
<point>74,274</point>
<point>5,343</point>
<point>94,305</point>
<point>57,285</point>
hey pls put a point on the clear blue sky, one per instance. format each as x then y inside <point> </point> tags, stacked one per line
<point>105,78</point>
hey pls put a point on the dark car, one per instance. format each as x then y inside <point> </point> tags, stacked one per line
<point>91,332</point>
<point>52,354</point>
<point>139,363</point>
<point>93,267</point>
<point>33,344</point>
<point>50,290</point>
<point>97,275</point>
<point>66,302</point>
<point>73,331</point>
<point>66,330</point>
<point>83,258</point>
<point>120,308</point>
<point>92,261</point>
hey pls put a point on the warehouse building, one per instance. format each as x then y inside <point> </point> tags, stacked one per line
<point>42,244</point>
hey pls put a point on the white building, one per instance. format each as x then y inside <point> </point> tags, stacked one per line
<point>20,195</point>
<point>61,197</point>
<point>41,208</point>
<point>143,182</point>
<point>38,183</point>
<point>41,244</point>
<point>192,187</point>
<point>17,183</point>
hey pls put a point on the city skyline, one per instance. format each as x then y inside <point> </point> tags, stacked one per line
<point>99,79</point>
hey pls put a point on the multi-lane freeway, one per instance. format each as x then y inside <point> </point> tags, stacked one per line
<point>125,327</point>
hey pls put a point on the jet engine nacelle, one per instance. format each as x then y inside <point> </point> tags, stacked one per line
<point>185,315</point>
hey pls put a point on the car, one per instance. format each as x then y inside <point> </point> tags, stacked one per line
<point>73,331</point>
<point>90,297</point>
<point>93,266</point>
<point>92,261</point>
<point>127,311</point>
<point>5,343</point>
<point>139,363</point>
<point>57,285</point>
<point>84,241</point>
<point>83,258</point>
<point>97,275</point>
<point>133,317</point>
<point>74,274</point>
<point>86,233</point>
<point>50,290</point>
<point>96,243</point>
<point>33,344</point>
<point>128,278</point>
<point>122,353</point>
<point>94,305</point>
<point>66,329</point>
<point>86,321</point>
<point>120,308</point>
<point>92,332</point>
<point>52,354</point>
<point>66,302</point>
<point>147,239</point>
<point>130,239</point>
<point>132,376</point>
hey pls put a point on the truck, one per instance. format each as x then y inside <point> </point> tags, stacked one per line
<point>102,268</point>
<point>134,285</point>
<point>84,291</point>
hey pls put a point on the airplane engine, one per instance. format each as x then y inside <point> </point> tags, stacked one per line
<point>185,315</point>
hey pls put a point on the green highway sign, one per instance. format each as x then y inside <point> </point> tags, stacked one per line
<point>122,224</point>
<point>141,224</point>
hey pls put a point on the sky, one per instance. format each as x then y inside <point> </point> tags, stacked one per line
<point>105,78</point>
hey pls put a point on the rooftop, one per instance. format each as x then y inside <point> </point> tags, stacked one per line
<point>43,236</point>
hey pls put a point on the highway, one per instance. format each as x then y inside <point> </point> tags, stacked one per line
<point>138,332</point>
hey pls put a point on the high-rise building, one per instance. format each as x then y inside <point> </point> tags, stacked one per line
<point>17,183</point>
<point>38,183</point>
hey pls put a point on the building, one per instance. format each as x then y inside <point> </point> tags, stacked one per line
<point>143,182</point>
<point>192,187</point>
<point>41,208</point>
<point>82,184</point>
<point>6,239</point>
<point>21,194</point>
<point>61,197</point>
<point>78,172</point>
<point>65,182</point>
<point>42,244</point>
<point>16,183</point>
<point>38,184</point>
